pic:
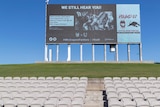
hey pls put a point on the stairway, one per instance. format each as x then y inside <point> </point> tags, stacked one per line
<point>95,93</point>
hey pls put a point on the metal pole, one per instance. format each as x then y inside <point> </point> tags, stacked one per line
<point>57,54</point>
<point>116,52</point>
<point>46,53</point>
<point>128,45</point>
<point>93,57</point>
<point>81,52</point>
<point>140,51</point>
<point>105,52</point>
<point>46,46</point>
<point>69,53</point>
<point>50,55</point>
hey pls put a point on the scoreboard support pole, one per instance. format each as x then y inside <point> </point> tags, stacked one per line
<point>140,52</point>
<point>46,53</point>
<point>93,56</point>
<point>105,52</point>
<point>117,52</point>
<point>57,52</point>
<point>50,55</point>
<point>46,46</point>
<point>69,53</point>
<point>81,52</point>
<point>129,52</point>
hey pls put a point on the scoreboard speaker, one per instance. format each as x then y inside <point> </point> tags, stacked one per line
<point>112,48</point>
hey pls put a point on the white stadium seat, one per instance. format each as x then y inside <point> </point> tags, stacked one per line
<point>1,103</point>
<point>79,96</point>
<point>41,78</point>
<point>16,78</point>
<point>66,78</point>
<point>49,78</point>
<point>10,103</point>
<point>129,103</point>
<point>116,78</point>
<point>107,78</point>
<point>51,103</point>
<point>137,96</point>
<point>108,82</point>
<point>133,90</point>
<point>64,103</point>
<point>152,78</point>
<point>18,96</point>
<point>142,103</point>
<point>115,103</point>
<point>42,97</point>
<point>54,96</point>
<point>122,90</point>
<point>111,90</point>
<point>67,96</point>
<point>77,103</point>
<point>22,103</point>
<point>1,78</point>
<point>24,78</point>
<point>30,97</point>
<point>133,78</point>
<point>149,96</point>
<point>125,78</point>
<point>125,95</point>
<point>8,78</point>
<point>58,78</point>
<point>5,97</point>
<point>112,96</point>
<point>154,103</point>
<point>37,103</point>
<point>144,90</point>
<point>119,85</point>
<point>75,78</point>
<point>33,78</point>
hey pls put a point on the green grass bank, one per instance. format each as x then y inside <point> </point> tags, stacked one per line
<point>91,70</point>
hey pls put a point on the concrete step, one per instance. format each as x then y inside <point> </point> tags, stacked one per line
<point>94,94</point>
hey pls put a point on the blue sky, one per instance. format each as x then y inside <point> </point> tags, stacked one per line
<point>22,32</point>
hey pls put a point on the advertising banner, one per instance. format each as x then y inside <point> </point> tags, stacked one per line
<point>128,23</point>
<point>95,24</point>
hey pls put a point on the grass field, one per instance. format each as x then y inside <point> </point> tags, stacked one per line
<point>91,70</point>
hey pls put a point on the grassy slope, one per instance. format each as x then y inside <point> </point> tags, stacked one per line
<point>92,70</point>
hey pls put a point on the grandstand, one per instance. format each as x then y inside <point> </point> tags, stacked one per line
<point>79,92</point>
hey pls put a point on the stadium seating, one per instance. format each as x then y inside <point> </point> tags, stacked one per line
<point>73,92</point>
<point>43,91</point>
<point>132,92</point>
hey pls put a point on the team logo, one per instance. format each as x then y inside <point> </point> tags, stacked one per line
<point>135,24</point>
<point>122,23</point>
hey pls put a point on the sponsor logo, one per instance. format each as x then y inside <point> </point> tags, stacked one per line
<point>52,39</point>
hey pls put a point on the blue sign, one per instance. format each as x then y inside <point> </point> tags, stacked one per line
<point>128,23</point>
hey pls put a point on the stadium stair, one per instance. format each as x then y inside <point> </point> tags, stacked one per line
<point>95,93</point>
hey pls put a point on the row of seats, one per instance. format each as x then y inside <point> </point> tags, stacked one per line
<point>131,78</point>
<point>53,84</point>
<point>40,103</point>
<point>132,92</point>
<point>44,78</point>
<point>49,82</point>
<point>135,103</point>
<point>43,97</point>
<point>43,91</point>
